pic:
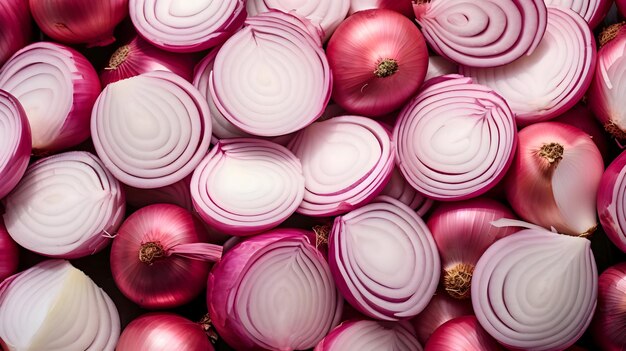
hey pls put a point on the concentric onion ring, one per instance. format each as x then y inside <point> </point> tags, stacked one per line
<point>65,206</point>
<point>484,33</point>
<point>399,189</point>
<point>612,201</point>
<point>246,186</point>
<point>15,142</point>
<point>536,290</point>
<point>455,140</point>
<point>553,78</point>
<point>365,335</point>
<point>151,130</point>
<point>592,11</point>
<point>273,291</point>
<point>346,160</point>
<point>384,260</point>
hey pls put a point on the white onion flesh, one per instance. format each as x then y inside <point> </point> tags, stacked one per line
<point>365,335</point>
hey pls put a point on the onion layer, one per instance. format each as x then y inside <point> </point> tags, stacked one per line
<point>15,142</point>
<point>273,291</point>
<point>16,27</point>
<point>609,324</point>
<point>592,11</point>
<point>463,333</point>
<point>439,310</point>
<point>66,205</point>
<point>151,130</point>
<point>54,306</point>
<point>9,253</point>
<point>536,290</point>
<point>455,139</point>
<point>553,78</point>
<point>57,87</point>
<point>611,201</point>
<point>364,335</point>
<point>399,189</point>
<point>482,33</point>
<point>347,161</point>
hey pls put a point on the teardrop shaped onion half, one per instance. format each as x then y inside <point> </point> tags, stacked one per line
<point>56,307</point>
<point>611,201</point>
<point>553,78</point>
<point>245,186</point>
<point>384,260</point>
<point>15,142</point>
<point>483,33</point>
<point>272,77</point>
<point>456,139</point>
<point>273,291</point>
<point>536,290</point>
<point>366,335</point>
<point>593,11</point>
<point>151,130</point>
<point>347,161</point>
<point>66,205</point>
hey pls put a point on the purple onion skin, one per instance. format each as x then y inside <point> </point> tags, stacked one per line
<point>16,27</point>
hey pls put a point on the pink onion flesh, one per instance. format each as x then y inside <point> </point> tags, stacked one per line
<point>15,142</point>
<point>399,189</point>
<point>369,335</point>
<point>608,326</point>
<point>593,11</point>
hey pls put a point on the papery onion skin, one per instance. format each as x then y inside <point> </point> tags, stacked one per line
<point>9,254</point>
<point>536,289</point>
<point>399,189</point>
<point>233,287</point>
<point>369,335</point>
<point>439,310</point>
<point>16,27</point>
<point>401,6</point>
<point>462,333</point>
<point>78,22</point>
<point>611,200</point>
<point>608,326</point>
<point>378,59</point>
<point>15,142</point>
<point>593,11</point>
<point>582,118</point>
<point>63,121</point>
<point>482,34</point>
<point>161,331</point>
<point>554,178</point>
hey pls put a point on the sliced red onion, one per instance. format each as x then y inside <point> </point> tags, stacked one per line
<point>462,333</point>
<point>402,6</point>
<point>16,27</point>
<point>365,335</point>
<point>15,142</point>
<point>609,324</point>
<point>536,290</point>
<point>184,26</point>
<point>611,201</point>
<point>258,74</point>
<point>66,205</point>
<point>245,186</point>
<point>455,140</point>
<point>57,87</point>
<point>54,306</point>
<point>151,130</point>
<point>440,66</point>
<point>553,78</point>
<point>399,189</point>
<point>9,253</point>
<point>439,310</point>
<point>482,33</point>
<point>347,161</point>
<point>593,11</point>
<point>273,291</point>
<point>327,14</point>
<point>384,260</point>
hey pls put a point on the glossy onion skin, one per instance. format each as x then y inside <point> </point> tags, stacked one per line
<point>462,333</point>
<point>609,324</point>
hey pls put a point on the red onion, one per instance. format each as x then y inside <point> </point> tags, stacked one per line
<point>9,253</point>
<point>183,26</point>
<point>462,232</point>
<point>378,59</point>
<point>138,57</point>
<point>554,178</point>
<point>57,87</point>
<point>158,257</point>
<point>621,6</point>
<point>16,27</point>
<point>455,139</point>
<point>260,71</point>
<point>462,333</point>
<point>54,306</point>
<point>151,130</point>
<point>553,78</point>
<point>482,33</point>
<point>246,186</point>
<point>609,327</point>
<point>439,310</point>
<point>163,332</point>
<point>440,66</point>
<point>582,118</point>
<point>78,22</point>
<point>347,161</point>
<point>273,291</point>
<point>402,6</point>
<point>611,200</point>
<point>592,11</point>
<point>399,189</point>
<point>364,335</point>
<point>15,142</point>
<point>66,205</point>
<point>536,290</point>
<point>384,260</point>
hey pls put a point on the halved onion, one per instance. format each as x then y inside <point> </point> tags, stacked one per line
<point>365,335</point>
<point>399,189</point>
<point>15,142</point>
<point>66,205</point>
<point>593,11</point>
<point>151,130</point>
<point>611,201</point>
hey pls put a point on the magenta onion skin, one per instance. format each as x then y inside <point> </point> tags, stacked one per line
<point>161,331</point>
<point>15,142</point>
<point>462,333</point>
<point>621,6</point>
<point>378,59</point>
<point>611,201</point>
<point>78,22</point>
<point>609,321</point>
<point>439,310</point>
<point>582,118</point>
<point>9,254</point>
<point>592,11</point>
<point>401,6</point>
<point>16,27</point>
<point>370,335</point>
<point>233,285</point>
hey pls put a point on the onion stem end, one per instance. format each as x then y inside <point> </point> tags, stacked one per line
<point>458,279</point>
<point>386,68</point>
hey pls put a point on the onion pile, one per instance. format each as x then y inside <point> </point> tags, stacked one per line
<point>15,142</point>
<point>608,326</point>
<point>366,335</point>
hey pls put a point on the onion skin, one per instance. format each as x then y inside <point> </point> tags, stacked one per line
<point>608,327</point>
<point>582,118</point>
<point>358,53</point>
<point>611,201</point>
<point>462,333</point>
<point>439,310</point>
<point>9,253</point>
<point>16,27</point>
<point>369,335</point>
<point>15,142</point>
<point>163,332</point>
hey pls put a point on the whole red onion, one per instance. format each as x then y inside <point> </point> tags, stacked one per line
<point>582,118</point>
<point>441,308</point>
<point>9,254</point>
<point>462,333</point>
<point>16,27</point>
<point>609,324</point>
